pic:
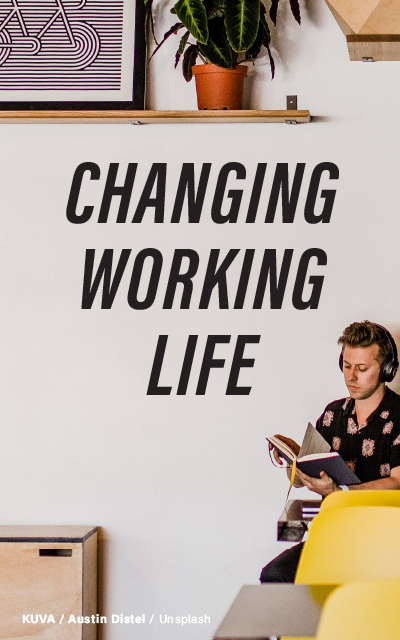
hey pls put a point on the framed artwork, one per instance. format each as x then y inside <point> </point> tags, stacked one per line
<point>72,54</point>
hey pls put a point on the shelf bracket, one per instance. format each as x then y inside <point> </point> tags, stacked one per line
<point>291,103</point>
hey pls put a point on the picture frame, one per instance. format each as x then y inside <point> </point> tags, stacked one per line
<point>132,65</point>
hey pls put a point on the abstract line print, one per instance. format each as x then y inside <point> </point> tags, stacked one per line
<point>61,44</point>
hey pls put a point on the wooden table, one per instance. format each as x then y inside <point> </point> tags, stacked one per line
<point>292,523</point>
<point>275,609</point>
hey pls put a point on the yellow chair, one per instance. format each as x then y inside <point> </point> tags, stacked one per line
<point>362,611</point>
<point>371,498</point>
<point>345,544</point>
<point>351,544</point>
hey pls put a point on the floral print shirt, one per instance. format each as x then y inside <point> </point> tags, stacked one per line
<point>372,448</point>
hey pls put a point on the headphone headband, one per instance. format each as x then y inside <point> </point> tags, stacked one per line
<point>390,364</point>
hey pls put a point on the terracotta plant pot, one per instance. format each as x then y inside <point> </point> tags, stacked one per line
<point>219,88</point>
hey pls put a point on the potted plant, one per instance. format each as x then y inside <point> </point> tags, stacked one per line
<point>226,33</point>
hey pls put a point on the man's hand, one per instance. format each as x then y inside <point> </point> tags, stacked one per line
<point>289,442</point>
<point>324,485</point>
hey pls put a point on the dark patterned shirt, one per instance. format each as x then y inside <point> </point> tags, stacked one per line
<point>372,448</point>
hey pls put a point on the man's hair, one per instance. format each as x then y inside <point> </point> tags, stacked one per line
<point>364,334</point>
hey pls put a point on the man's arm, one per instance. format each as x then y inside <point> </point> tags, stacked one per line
<point>383,483</point>
<point>325,485</point>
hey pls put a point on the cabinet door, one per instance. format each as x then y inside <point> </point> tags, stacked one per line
<point>40,579</point>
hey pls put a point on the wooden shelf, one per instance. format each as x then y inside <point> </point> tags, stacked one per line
<point>153,117</point>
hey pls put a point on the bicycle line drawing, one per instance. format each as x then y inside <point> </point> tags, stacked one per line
<point>79,49</point>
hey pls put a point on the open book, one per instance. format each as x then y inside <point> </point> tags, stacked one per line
<point>315,455</point>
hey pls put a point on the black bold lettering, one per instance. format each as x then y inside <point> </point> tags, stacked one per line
<point>176,276</point>
<point>277,287</point>
<point>244,279</point>
<point>256,192</point>
<point>327,194</point>
<point>186,185</point>
<point>281,184</point>
<point>153,389</point>
<point>187,365</point>
<point>238,363</point>
<point>104,271</point>
<point>234,194</point>
<point>217,277</point>
<point>157,177</point>
<point>315,281</point>
<point>72,204</point>
<point>209,362</point>
<point>153,281</point>
<point>111,190</point>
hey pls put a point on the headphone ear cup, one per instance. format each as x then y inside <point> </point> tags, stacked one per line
<point>384,373</point>
<point>341,361</point>
<point>391,363</point>
<point>388,370</point>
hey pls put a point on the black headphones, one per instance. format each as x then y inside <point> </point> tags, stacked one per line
<point>390,364</point>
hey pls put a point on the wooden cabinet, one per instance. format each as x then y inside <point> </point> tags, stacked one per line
<point>48,579</point>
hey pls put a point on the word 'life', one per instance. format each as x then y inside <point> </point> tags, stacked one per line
<point>209,362</point>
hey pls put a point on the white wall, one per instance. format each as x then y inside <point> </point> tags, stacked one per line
<point>182,486</point>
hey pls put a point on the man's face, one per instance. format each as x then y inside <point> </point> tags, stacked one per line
<point>361,367</point>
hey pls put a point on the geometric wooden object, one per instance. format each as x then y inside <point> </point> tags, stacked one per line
<point>44,571</point>
<point>369,17</point>
<point>371,27</point>
<point>377,48</point>
<point>252,116</point>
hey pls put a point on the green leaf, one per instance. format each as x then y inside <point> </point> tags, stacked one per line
<point>213,9</point>
<point>241,21</point>
<point>219,3</point>
<point>181,48</point>
<point>216,12</point>
<point>273,12</point>
<point>217,49</point>
<point>193,15</point>
<point>189,59</point>
<point>266,40</point>
<point>257,44</point>
<point>266,34</point>
<point>294,5</point>
<point>173,30</point>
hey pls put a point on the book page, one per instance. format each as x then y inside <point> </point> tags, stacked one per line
<point>319,456</point>
<point>284,450</point>
<point>313,442</point>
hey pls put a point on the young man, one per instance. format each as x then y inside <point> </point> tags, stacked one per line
<point>364,428</point>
